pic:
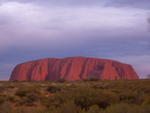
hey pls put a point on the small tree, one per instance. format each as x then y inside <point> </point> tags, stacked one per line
<point>61,80</point>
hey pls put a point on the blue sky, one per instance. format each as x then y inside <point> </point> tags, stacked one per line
<point>113,29</point>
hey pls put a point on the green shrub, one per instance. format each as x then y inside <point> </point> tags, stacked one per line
<point>22,93</point>
<point>94,109</point>
<point>127,108</point>
<point>142,109</point>
<point>2,99</point>
<point>131,97</point>
<point>55,101</point>
<point>93,79</point>
<point>62,80</point>
<point>147,100</point>
<point>24,109</point>
<point>118,108</point>
<point>89,97</point>
<point>30,99</point>
<point>53,89</point>
<point>69,107</point>
<point>5,108</point>
<point>2,89</point>
<point>12,99</point>
<point>28,96</point>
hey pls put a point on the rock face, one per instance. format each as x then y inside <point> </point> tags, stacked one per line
<point>73,68</point>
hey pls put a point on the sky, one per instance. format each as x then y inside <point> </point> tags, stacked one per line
<point>111,29</point>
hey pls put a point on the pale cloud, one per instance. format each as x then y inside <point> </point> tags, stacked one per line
<point>143,4</point>
<point>24,21</point>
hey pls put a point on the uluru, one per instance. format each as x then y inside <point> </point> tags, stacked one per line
<point>73,68</point>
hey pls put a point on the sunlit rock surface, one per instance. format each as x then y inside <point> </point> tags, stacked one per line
<point>73,68</point>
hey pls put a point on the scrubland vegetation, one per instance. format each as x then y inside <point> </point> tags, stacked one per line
<point>88,96</point>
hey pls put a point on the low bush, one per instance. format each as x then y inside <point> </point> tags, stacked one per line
<point>22,93</point>
<point>62,80</point>
<point>5,108</point>
<point>91,79</point>
<point>2,89</point>
<point>53,89</point>
<point>3,99</point>
<point>127,108</point>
